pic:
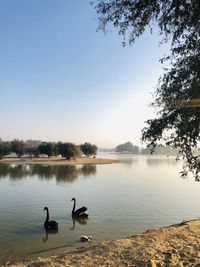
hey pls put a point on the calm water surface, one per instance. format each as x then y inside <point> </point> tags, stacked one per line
<point>122,199</point>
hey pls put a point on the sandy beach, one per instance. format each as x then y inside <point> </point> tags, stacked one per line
<point>58,161</point>
<point>173,246</point>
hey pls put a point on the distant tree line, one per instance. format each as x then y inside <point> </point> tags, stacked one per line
<point>35,148</point>
<point>128,147</point>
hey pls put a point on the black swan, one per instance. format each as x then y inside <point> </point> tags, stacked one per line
<point>80,213</point>
<point>50,225</point>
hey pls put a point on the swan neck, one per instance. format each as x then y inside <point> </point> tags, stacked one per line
<point>47,218</point>
<point>74,206</point>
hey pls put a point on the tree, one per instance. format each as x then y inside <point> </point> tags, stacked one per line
<point>46,148</point>
<point>32,151</point>
<point>177,96</point>
<point>127,147</point>
<point>68,150</point>
<point>18,147</point>
<point>88,149</point>
<point>55,149</point>
<point>4,148</point>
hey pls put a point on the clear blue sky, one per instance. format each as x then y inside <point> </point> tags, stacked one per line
<point>60,79</point>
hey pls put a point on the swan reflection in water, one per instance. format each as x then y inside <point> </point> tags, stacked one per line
<point>81,221</point>
<point>46,234</point>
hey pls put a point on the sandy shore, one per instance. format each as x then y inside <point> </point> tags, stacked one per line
<point>173,246</point>
<point>58,161</point>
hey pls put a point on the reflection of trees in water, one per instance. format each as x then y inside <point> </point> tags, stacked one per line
<point>69,174</point>
<point>163,161</point>
<point>61,173</point>
<point>129,161</point>
<point>43,171</point>
<point>88,169</point>
<point>16,172</point>
<point>4,170</point>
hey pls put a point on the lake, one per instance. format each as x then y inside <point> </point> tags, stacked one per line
<point>130,197</point>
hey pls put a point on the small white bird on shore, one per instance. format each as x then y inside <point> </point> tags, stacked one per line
<point>85,238</point>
